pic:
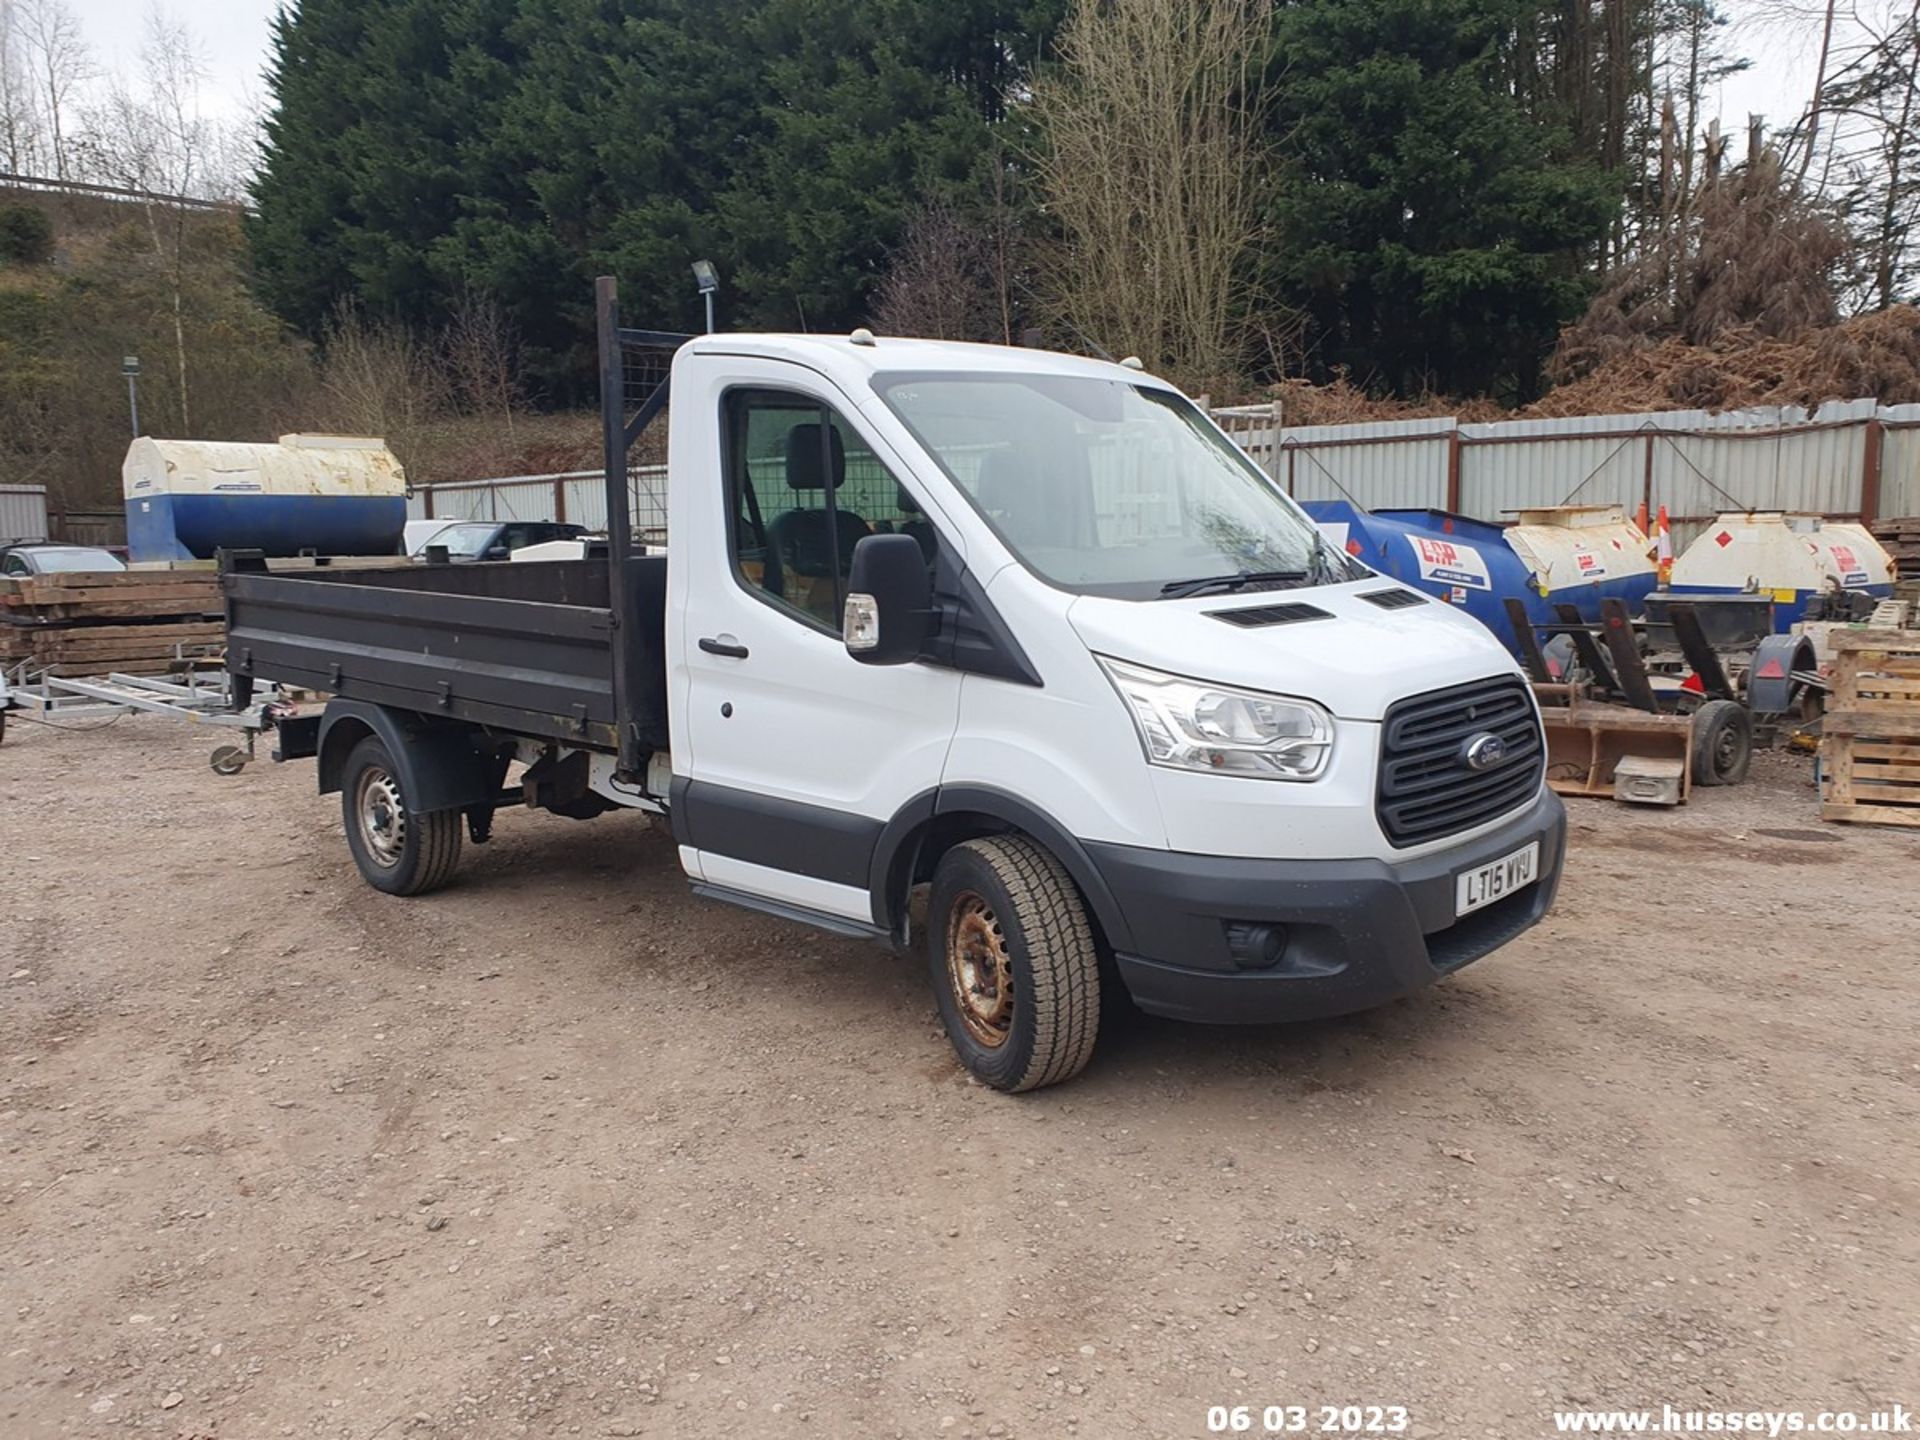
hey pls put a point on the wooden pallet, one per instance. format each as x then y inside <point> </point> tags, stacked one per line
<point>1870,749</point>
<point>1901,540</point>
<point>90,623</point>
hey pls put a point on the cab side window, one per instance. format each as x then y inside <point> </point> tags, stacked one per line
<point>804,490</point>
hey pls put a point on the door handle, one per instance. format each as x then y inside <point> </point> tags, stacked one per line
<point>731,649</point>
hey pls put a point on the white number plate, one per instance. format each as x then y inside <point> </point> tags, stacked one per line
<point>1487,883</point>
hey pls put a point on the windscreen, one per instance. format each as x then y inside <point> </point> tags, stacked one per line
<point>462,540</point>
<point>1105,487</point>
<point>53,561</point>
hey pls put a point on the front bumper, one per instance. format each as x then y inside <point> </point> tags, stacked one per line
<point>1358,932</point>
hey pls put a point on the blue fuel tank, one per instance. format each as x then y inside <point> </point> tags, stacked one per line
<point>328,494</point>
<point>1565,555</point>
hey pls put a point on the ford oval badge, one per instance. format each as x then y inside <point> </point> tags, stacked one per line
<point>1484,751</point>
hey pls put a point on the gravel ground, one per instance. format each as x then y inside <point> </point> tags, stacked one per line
<point>563,1150</point>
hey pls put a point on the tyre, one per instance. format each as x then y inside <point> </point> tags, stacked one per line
<point>1014,967</point>
<point>397,850</point>
<point>1722,743</point>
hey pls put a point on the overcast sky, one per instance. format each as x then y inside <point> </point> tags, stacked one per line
<point>233,40</point>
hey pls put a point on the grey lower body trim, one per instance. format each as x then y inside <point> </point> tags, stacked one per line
<point>812,840</point>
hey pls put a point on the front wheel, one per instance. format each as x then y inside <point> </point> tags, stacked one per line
<point>398,850</point>
<point>1015,970</point>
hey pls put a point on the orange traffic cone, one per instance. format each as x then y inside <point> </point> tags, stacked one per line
<point>1663,550</point>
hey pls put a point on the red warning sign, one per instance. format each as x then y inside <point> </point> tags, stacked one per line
<point>1723,539</point>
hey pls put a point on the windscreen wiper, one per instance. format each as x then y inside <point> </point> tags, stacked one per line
<point>1329,567</point>
<point>1175,589</point>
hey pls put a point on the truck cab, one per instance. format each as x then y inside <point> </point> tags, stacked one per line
<point>1012,656</point>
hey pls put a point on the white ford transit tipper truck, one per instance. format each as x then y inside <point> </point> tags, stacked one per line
<point>1023,633</point>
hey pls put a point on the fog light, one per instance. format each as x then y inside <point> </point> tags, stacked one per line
<point>1255,944</point>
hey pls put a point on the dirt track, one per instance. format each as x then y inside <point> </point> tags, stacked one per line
<point>565,1151</point>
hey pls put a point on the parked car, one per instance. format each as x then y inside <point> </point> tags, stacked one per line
<point>42,558</point>
<point>496,540</point>
<point>416,533</point>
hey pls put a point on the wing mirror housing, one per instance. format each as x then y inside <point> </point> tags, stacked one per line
<point>889,612</point>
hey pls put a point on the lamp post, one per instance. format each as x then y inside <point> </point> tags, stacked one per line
<point>708,279</point>
<point>130,367</point>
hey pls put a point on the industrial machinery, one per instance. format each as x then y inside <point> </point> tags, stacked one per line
<point>1604,698</point>
<point>1600,709</point>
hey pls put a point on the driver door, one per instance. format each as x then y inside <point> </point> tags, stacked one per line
<point>796,755</point>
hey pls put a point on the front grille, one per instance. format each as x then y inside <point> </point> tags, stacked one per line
<point>1255,615</point>
<point>1427,790</point>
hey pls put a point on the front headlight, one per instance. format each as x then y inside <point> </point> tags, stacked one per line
<point>1219,730</point>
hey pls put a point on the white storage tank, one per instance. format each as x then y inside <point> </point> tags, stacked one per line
<point>1790,557</point>
<point>327,494</point>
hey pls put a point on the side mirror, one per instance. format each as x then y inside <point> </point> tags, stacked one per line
<point>497,552</point>
<point>889,601</point>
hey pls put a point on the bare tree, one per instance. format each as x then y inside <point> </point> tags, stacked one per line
<point>941,281</point>
<point>61,62</point>
<point>20,138</point>
<point>479,350</point>
<point>1149,168</point>
<point>379,378</point>
<point>155,140</point>
<point>1811,128</point>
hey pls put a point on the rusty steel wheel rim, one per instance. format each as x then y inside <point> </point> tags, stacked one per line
<point>979,970</point>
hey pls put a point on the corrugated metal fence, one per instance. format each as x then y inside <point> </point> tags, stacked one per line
<point>1849,459</point>
<point>23,512</point>
<point>577,496</point>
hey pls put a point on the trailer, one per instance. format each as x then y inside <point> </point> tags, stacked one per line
<point>195,696</point>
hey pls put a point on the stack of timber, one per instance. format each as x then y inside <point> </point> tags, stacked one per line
<point>1870,751</point>
<point>1902,541</point>
<point>136,622</point>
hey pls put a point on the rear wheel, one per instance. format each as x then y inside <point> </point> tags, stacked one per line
<point>1722,743</point>
<point>398,850</point>
<point>1015,970</point>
